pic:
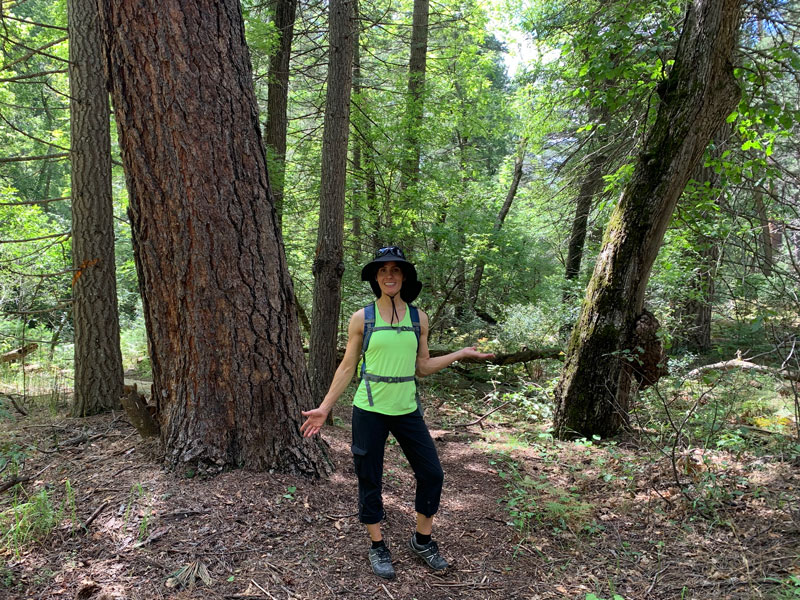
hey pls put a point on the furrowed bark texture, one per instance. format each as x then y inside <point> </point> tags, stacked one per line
<point>98,360</point>
<point>329,256</point>
<point>592,394</point>
<point>228,367</point>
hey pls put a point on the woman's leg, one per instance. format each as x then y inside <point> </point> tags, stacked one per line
<point>369,439</point>
<point>414,438</point>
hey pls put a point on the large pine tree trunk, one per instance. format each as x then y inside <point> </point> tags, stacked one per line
<point>329,256</point>
<point>278,101</point>
<point>229,374</point>
<point>98,360</point>
<point>592,394</point>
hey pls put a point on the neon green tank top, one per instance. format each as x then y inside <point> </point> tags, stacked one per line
<point>390,353</point>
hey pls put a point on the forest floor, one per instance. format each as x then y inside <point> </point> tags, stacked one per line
<point>590,519</point>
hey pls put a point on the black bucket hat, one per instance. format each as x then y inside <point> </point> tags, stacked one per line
<point>411,285</point>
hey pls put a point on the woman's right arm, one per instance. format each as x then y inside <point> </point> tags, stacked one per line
<point>341,378</point>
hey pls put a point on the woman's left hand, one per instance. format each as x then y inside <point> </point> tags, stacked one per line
<point>471,352</point>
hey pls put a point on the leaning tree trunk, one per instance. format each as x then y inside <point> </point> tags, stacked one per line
<point>98,360</point>
<point>592,394</point>
<point>278,101</point>
<point>516,177</point>
<point>329,256</point>
<point>229,376</point>
<point>590,186</point>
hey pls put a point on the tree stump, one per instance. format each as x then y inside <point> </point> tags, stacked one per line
<point>139,413</point>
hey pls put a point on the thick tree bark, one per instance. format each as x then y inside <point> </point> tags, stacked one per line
<point>329,256</point>
<point>409,171</point>
<point>278,101</point>
<point>229,375</point>
<point>592,394</point>
<point>98,359</point>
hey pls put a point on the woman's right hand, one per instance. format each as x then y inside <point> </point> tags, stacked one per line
<point>315,419</point>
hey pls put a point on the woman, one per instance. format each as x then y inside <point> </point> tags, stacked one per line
<point>386,402</point>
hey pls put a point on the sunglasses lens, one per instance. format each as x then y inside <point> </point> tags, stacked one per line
<point>392,251</point>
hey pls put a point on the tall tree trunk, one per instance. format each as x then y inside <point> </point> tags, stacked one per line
<point>360,127</point>
<point>329,256</point>
<point>409,171</point>
<point>98,360</point>
<point>592,394</point>
<point>590,186</point>
<point>229,375</point>
<point>277,122</point>
<point>277,101</point>
<point>695,316</point>
<point>516,177</point>
<point>767,254</point>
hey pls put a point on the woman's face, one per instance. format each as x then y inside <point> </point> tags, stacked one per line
<point>390,278</point>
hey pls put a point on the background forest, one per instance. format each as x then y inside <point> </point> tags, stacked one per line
<point>496,163</point>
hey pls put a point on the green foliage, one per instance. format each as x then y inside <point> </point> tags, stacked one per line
<point>534,502</point>
<point>33,519</point>
<point>789,588</point>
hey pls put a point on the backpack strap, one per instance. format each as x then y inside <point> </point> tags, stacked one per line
<point>415,321</point>
<point>369,327</point>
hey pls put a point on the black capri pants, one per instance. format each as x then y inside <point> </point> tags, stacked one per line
<point>370,432</point>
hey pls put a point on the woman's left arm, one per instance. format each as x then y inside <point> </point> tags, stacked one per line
<point>427,365</point>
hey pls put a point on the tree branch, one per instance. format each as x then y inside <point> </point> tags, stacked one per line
<point>31,76</point>
<point>737,363</point>
<point>36,239</point>
<point>31,158</point>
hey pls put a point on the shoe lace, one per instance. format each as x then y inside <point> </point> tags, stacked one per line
<point>382,555</point>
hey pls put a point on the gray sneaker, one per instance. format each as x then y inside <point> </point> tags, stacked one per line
<point>381,561</point>
<point>429,554</point>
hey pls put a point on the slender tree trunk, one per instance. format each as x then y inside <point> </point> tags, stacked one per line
<point>591,185</point>
<point>697,317</point>
<point>278,100</point>
<point>696,314</point>
<point>229,375</point>
<point>767,254</point>
<point>277,122</point>
<point>329,257</point>
<point>409,171</point>
<point>98,360</point>
<point>516,177</point>
<point>592,394</point>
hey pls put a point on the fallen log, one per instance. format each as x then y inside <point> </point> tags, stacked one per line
<point>18,354</point>
<point>13,399</point>
<point>523,356</point>
<point>738,363</point>
<point>501,359</point>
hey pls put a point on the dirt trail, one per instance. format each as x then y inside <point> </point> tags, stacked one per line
<point>262,535</point>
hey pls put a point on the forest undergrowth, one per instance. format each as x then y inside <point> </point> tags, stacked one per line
<point>699,499</point>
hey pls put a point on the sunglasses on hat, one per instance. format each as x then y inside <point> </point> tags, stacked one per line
<point>390,251</point>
